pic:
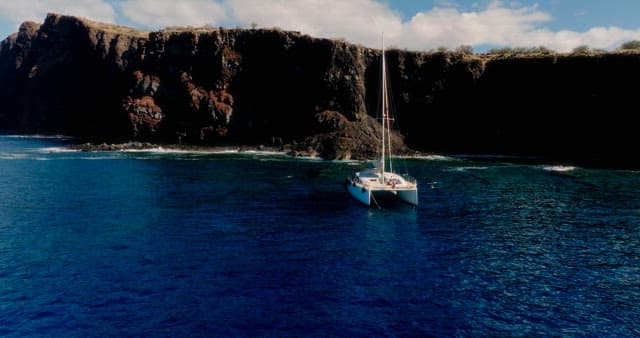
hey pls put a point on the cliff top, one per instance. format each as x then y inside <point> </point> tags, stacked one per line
<point>106,27</point>
<point>504,53</point>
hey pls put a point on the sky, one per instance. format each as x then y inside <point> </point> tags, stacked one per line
<point>560,25</point>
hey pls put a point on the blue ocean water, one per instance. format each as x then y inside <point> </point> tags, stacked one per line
<point>198,244</point>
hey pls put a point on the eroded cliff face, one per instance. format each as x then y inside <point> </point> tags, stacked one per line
<point>65,76</point>
<point>221,86</point>
<point>572,108</point>
<point>218,86</point>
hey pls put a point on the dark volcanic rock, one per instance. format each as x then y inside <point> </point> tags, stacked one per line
<point>315,96</point>
<point>66,77</point>
<point>198,86</point>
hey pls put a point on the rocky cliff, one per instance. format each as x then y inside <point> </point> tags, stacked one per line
<point>234,86</point>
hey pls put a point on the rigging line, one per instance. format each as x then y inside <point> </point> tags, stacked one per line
<point>386,119</point>
<point>393,109</point>
<point>374,200</point>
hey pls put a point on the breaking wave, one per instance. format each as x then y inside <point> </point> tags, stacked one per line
<point>169,151</point>
<point>57,150</point>
<point>37,136</point>
<point>468,168</point>
<point>559,168</point>
<point>434,158</point>
<point>13,156</point>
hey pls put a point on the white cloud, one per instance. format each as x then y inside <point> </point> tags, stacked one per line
<point>496,23</point>
<point>162,13</point>
<point>18,11</point>
<point>597,37</point>
<point>493,25</point>
<point>359,21</point>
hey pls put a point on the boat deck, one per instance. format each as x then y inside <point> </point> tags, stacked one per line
<point>392,181</point>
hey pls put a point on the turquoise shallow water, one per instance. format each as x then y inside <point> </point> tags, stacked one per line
<point>174,244</point>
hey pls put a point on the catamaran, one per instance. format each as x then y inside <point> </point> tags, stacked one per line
<point>381,181</point>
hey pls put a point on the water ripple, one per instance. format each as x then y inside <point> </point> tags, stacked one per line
<point>166,247</point>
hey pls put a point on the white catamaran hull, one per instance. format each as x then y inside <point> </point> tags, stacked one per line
<point>409,196</point>
<point>368,188</point>
<point>360,193</point>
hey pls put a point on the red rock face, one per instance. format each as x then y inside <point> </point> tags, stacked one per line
<point>330,120</point>
<point>145,116</point>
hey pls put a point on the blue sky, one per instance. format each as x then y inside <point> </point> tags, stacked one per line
<point>413,24</point>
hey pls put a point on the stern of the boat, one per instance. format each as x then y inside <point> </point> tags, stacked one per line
<point>409,196</point>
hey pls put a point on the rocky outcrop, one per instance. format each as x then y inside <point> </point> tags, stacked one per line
<point>248,87</point>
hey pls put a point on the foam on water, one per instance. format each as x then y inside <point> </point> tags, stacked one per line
<point>96,158</point>
<point>161,150</point>
<point>261,152</point>
<point>55,150</point>
<point>13,156</point>
<point>431,158</point>
<point>559,168</point>
<point>37,136</point>
<point>468,168</point>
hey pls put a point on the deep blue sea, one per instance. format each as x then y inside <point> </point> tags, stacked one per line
<point>160,243</point>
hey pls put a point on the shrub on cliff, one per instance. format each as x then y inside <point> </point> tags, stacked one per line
<point>586,50</point>
<point>583,49</point>
<point>521,51</point>
<point>630,45</point>
<point>540,50</point>
<point>464,49</point>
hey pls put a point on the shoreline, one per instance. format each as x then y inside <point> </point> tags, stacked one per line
<point>289,150</point>
<point>147,146</point>
<point>285,150</point>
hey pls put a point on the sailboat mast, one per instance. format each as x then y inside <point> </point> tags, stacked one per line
<point>384,108</point>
